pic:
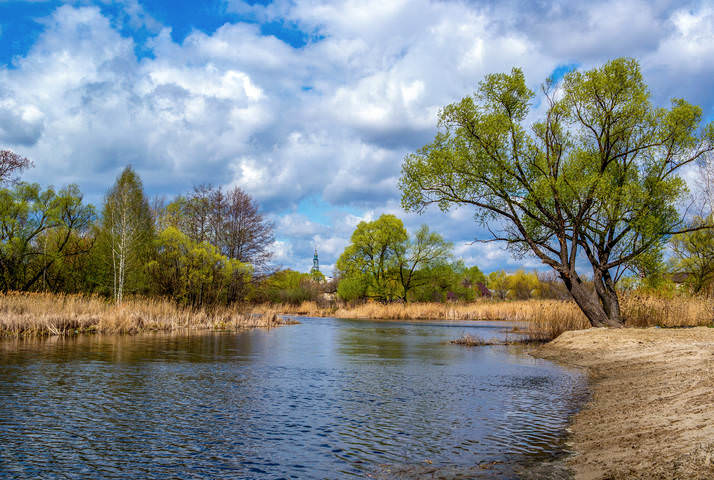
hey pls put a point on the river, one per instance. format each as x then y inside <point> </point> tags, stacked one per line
<point>327,398</point>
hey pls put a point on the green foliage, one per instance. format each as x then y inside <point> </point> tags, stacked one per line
<point>195,273</point>
<point>473,275</point>
<point>126,235</point>
<point>230,220</point>
<point>443,282</point>
<point>694,255</point>
<point>522,285</point>
<point>40,230</point>
<point>498,283</point>
<point>384,263</point>
<point>373,256</point>
<point>595,179</point>
<point>427,252</point>
<point>316,276</point>
<point>352,288</point>
<point>288,286</point>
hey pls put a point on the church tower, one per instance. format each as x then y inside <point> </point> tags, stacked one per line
<point>315,263</point>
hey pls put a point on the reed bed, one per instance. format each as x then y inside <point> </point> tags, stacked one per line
<point>678,311</point>
<point>512,311</point>
<point>43,314</point>
<point>307,309</point>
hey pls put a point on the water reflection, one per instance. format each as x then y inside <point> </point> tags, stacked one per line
<point>325,399</point>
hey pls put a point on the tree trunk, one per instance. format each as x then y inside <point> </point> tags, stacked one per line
<point>605,288</point>
<point>592,305</point>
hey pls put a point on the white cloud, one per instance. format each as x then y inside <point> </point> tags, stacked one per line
<point>331,119</point>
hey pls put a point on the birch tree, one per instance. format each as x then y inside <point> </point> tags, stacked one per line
<point>128,228</point>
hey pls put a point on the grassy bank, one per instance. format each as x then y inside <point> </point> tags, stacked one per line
<point>543,320</point>
<point>38,314</point>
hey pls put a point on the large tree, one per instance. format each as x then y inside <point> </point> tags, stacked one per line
<point>39,230</point>
<point>373,256</point>
<point>127,232</point>
<point>426,251</point>
<point>594,181</point>
<point>230,220</point>
<point>382,262</point>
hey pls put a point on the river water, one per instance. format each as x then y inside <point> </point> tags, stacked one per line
<point>327,398</point>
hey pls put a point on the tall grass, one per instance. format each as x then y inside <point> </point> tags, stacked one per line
<point>307,308</point>
<point>642,310</point>
<point>513,311</point>
<point>30,314</point>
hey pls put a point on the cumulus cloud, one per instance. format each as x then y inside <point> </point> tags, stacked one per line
<point>330,118</point>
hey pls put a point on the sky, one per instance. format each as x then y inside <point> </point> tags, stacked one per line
<point>308,105</point>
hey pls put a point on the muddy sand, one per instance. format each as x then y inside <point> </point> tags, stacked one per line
<point>651,414</point>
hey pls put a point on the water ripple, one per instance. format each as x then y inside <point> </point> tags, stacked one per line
<point>325,399</point>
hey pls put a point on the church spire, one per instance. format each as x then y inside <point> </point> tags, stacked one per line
<point>315,263</point>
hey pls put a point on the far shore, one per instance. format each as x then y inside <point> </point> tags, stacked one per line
<point>651,411</point>
<point>542,320</point>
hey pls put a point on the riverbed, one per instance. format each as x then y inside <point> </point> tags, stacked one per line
<point>328,398</point>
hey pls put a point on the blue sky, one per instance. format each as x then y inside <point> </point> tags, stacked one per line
<point>309,105</point>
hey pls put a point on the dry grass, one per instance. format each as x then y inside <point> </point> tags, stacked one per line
<point>307,309</point>
<point>512,311</point>
<point>35,314</point>
<point>680,311</point>
<point>542,320</point>
<point>471,341</point>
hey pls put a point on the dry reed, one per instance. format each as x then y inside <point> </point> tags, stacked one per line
<point>541,320</point>
<point>472,341</point>
<point>41,314</point>
<point>641,310</point>
<point>307,309</point>
<point>512,311</point>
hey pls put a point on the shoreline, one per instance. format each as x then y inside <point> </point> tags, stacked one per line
<point>650,413</point>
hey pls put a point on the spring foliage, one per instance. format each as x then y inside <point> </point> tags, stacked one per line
<point>594,180</point>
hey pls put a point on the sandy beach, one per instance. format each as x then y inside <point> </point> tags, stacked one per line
<point>651,414</point>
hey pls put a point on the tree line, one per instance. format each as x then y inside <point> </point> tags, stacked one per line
<point>203,248</point>
<point>594,184</point>
<point>383,262</point>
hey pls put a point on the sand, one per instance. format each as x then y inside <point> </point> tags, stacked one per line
<point>651,414</point>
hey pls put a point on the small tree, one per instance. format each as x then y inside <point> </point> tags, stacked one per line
<point>195,273</point>
<point>593,181</point>
<point>694,254</point>
<point>11,164</point>
<point>498,283</point>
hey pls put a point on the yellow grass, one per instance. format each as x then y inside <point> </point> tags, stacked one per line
<point>542,320</point>
<point>26,314</point>
<point>514,311</point>
<point>679,311</point>
<point>471,341</point>
<point>307,309</point>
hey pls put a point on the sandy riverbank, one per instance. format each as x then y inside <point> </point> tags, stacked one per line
<point>651,414</point>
